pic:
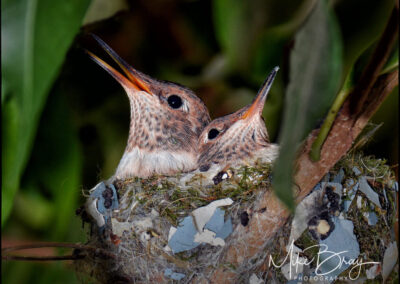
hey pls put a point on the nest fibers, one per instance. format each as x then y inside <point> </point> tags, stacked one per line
<point>164,228</point>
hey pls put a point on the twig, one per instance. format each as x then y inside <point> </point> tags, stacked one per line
<point>51,258</point>
<point>44,245</point>
<point>360,93</point>
<point>377,61</point>
<point>41,258</point>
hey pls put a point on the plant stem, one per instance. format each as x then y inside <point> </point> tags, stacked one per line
<point>315,151</point>
<point>364,85</point>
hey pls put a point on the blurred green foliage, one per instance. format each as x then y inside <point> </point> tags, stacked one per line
<point>311,91</point>
<point>65,121</point>
<point>35,38</point>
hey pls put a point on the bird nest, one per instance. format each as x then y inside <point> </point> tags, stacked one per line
<point>178,228</point>
<point>137,231</point>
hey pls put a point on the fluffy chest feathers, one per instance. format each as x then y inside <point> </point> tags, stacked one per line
<point>143,164</point>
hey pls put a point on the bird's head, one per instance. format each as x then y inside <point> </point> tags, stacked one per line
<point>164,115</point>
<point>237,136</point>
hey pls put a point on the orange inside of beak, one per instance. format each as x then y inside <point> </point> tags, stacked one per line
<point>141,85</point>
<point>130,80</point>
<point>118,76</point>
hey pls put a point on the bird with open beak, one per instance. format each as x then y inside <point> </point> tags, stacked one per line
<point>166,121</point>
<point>238,138</point>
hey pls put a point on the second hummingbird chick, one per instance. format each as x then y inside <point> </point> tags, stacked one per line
<point>238,138</point>
<point>166,121</point>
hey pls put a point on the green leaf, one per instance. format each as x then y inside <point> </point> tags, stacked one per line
<point>103,9</point>
<point>56,165</point>
<point>33,210</point>
<point>36,35</point>
<point>315,74</point>
<point>239,24</point>
<point>393,62</point>
<point>231,20</point>
<point>361,23</point>
<point>50,190</point>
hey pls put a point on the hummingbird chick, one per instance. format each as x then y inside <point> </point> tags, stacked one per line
<point>238,138</point>
<point>166,121</point>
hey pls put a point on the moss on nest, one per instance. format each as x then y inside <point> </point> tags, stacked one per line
<point>164,201</point>
<point>172,199</point>
<point>372,240</point>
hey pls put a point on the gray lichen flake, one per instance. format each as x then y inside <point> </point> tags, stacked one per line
<point>180,227</point>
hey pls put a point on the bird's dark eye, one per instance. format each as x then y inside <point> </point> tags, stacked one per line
<point>213,133</point>
<point>174,101</point>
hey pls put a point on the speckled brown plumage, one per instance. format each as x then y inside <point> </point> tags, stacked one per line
<point>154,125</point>
<point>163,134</point>
<point>241,135</point>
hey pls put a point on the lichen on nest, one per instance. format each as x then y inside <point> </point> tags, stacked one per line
<point>176,196</point>
<point>372,237</point>
<point>138,231</point>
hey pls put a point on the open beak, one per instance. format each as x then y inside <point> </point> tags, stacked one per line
<point>133,78</point>
<point>257,105</point>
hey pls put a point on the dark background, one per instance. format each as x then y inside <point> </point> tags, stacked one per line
<point>222,49</point>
